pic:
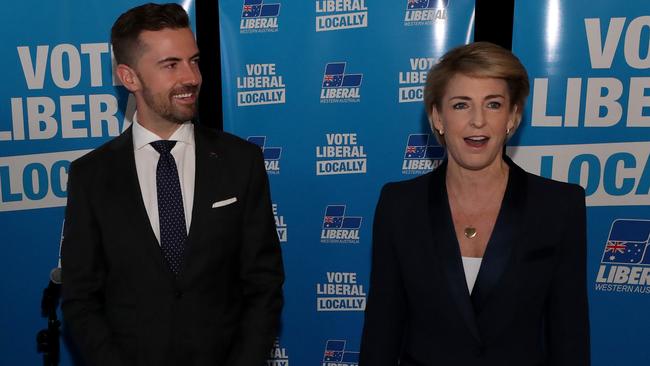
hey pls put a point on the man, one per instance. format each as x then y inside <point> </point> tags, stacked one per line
<point>170,254</point>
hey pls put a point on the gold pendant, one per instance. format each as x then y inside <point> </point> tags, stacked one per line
<point>470,232</point>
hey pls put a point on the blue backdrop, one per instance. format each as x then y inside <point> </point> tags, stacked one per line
<point>588,122</point>
<point>333,93</point>
<point>58,101</point>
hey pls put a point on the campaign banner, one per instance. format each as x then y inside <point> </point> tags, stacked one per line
<point>332,93</point>
<point>587,121</point>
<point>60,99</point>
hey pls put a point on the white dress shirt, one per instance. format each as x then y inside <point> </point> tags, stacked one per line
<point>146,161</point>
<point>471,266</point>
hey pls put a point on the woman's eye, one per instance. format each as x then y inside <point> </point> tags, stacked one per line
<point>494,105</point>
<point>459,106</point>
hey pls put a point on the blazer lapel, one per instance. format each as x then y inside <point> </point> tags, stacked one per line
<point>505,235</point>
<point>207,180</point>
<point>127,183</point>
<point>448,248</point>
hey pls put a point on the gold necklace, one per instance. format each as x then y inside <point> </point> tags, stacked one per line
<point>470,231</point>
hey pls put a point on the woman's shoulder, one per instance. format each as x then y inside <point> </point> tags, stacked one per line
<point>552,185</point>
<point>550,190</point>
<point>414,186</point>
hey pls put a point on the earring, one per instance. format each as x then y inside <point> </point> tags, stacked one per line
<point>507,131</point>
<point>441,132</point>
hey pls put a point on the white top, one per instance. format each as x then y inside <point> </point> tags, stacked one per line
<point>146,161</point>
<point>471,266</point>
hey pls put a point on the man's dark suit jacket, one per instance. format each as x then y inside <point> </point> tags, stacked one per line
<point>121,303</point>
<point>529,303</point>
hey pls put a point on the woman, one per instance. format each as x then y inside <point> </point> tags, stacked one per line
<point>429,304</point>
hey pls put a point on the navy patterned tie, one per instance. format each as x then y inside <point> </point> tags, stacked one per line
<point>170,206</point>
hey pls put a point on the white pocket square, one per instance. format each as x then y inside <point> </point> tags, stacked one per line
<point>225,202</point>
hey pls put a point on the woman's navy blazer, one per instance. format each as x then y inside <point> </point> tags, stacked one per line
<point>529,303</point>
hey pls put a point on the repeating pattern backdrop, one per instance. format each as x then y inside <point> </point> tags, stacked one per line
<point>331,90</point>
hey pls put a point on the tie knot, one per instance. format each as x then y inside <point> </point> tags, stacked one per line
<point>163,146</point>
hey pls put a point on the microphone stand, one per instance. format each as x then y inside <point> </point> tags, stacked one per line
<point>47,340</point>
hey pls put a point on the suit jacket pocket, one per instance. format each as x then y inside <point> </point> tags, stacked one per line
<point>225,207</point>
<point>223,221</point>
<point>223,203</point>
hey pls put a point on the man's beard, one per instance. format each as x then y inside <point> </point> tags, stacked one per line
<point>163,105</point>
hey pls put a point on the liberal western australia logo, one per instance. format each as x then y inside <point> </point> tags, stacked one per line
<point>625,264</point>
<point>341,292</point>
<point>425,12</point>
<point>336,354</point>
<point>340,14</point>
<point>341,155</point>
<point>422,154</point>
<point>339,87</point>
<point>339,228</point>
<point>271,154</point>
<point>261,85</point>
<point>259,17</point>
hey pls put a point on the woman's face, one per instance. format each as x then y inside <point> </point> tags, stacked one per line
<point>474,116</point>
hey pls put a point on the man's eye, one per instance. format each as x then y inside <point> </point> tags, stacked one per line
<point>170,66</point>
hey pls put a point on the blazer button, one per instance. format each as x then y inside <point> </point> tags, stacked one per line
<point>178,294</point>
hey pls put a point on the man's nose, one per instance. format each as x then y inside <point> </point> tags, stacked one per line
<point>191,75</point>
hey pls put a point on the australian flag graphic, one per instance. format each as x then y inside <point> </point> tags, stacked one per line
<point>257,8</point>
<point>335,352</point>
<point>417,147</point>
<point>270,153</point>
<point>426,4</point>
<point>335,218</point>
<point>335,76</point>
<point>627,242</point>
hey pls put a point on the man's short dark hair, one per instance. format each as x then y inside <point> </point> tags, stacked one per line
<point>148,17</point>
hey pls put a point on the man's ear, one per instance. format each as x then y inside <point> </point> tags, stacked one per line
<point>128,77</point>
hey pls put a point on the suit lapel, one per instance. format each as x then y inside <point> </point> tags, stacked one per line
<point>129,187</point>
<point>448,248</point>
<point>207,181</point>
<point>505,235</point>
